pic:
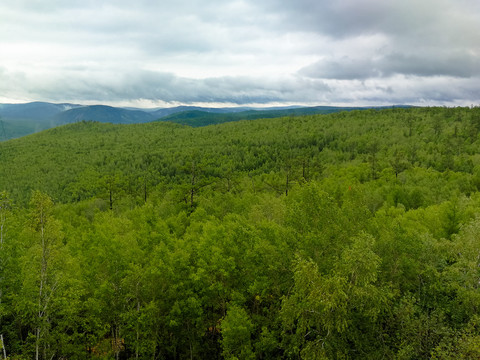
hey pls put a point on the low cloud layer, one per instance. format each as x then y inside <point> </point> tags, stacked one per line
<point>458,65</point>
<point>357,52</point>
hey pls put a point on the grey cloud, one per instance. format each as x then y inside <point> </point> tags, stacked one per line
<point>456,65</point>
<point>355,17</point>
<point>411,28</point>
<point>344,68</point>
<point>169,88</point>
<point>333,18</point>
<point>412,90</point>
<point>166,87</point>
<point>228,89</point>
<point>244,90</point>
<point>430,64</point>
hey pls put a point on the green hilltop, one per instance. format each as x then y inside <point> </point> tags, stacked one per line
<point>196,118</point>
<point>17,120</point>
<point>345,235</point>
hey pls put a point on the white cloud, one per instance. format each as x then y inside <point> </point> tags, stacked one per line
<point>241,51</point>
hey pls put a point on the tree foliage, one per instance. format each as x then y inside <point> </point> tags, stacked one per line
<point>339,236</point>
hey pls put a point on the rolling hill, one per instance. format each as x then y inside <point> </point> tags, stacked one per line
<point>22,119</point>
<point>196,118</point>
<point>33,111</point>
<point>102,113</point>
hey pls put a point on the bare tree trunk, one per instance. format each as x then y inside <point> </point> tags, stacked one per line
<point>37,343</point>
<point>145,190</point>
<point>192,183</point>
<point>115,344</point>
<point>138,330</point>
<point>253,183</point>
<point>46,288</point>
<point>286,185</point>
<point>111,198</point>
<point>305,169</point>
<point>2,223</point>
<point>43,276</point>
<point>3,347</point>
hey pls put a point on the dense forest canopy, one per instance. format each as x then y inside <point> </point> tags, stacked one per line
<point>344,236</point>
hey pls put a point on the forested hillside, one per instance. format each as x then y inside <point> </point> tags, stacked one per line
<point>17,120</point>
<point>352,235</point>
<point>200,117</point>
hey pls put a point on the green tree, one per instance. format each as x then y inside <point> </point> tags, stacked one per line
<point>5,205</point>
<point>338,314</point>
<point>41,216</point>
<point>237,330</point>
<point>40,274</point>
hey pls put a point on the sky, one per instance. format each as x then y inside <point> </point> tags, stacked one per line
<point>148,53</point>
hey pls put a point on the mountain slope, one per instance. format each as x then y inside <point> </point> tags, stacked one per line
<point>198,118</point>
<point>159,113</point>
<point>23,119</point>
<point>33,111</point>
<point>102,113</point>
<point>63,153</point>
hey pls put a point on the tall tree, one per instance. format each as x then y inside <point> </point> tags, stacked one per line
<point>4,209</point>
<point>40,279</point>
<point>41,208</point>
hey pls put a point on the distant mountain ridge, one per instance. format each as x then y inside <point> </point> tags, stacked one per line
<point>196,118</point>
<point>34,110</point>
<point>22,119</point>
<point>103,113</point>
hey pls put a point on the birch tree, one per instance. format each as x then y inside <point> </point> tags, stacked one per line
<point>4,208</point>
<point>40,281</point>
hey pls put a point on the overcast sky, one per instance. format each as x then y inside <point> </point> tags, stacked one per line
<point>221,52</point>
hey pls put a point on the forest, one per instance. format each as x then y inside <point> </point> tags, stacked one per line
<point>352,235</point>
